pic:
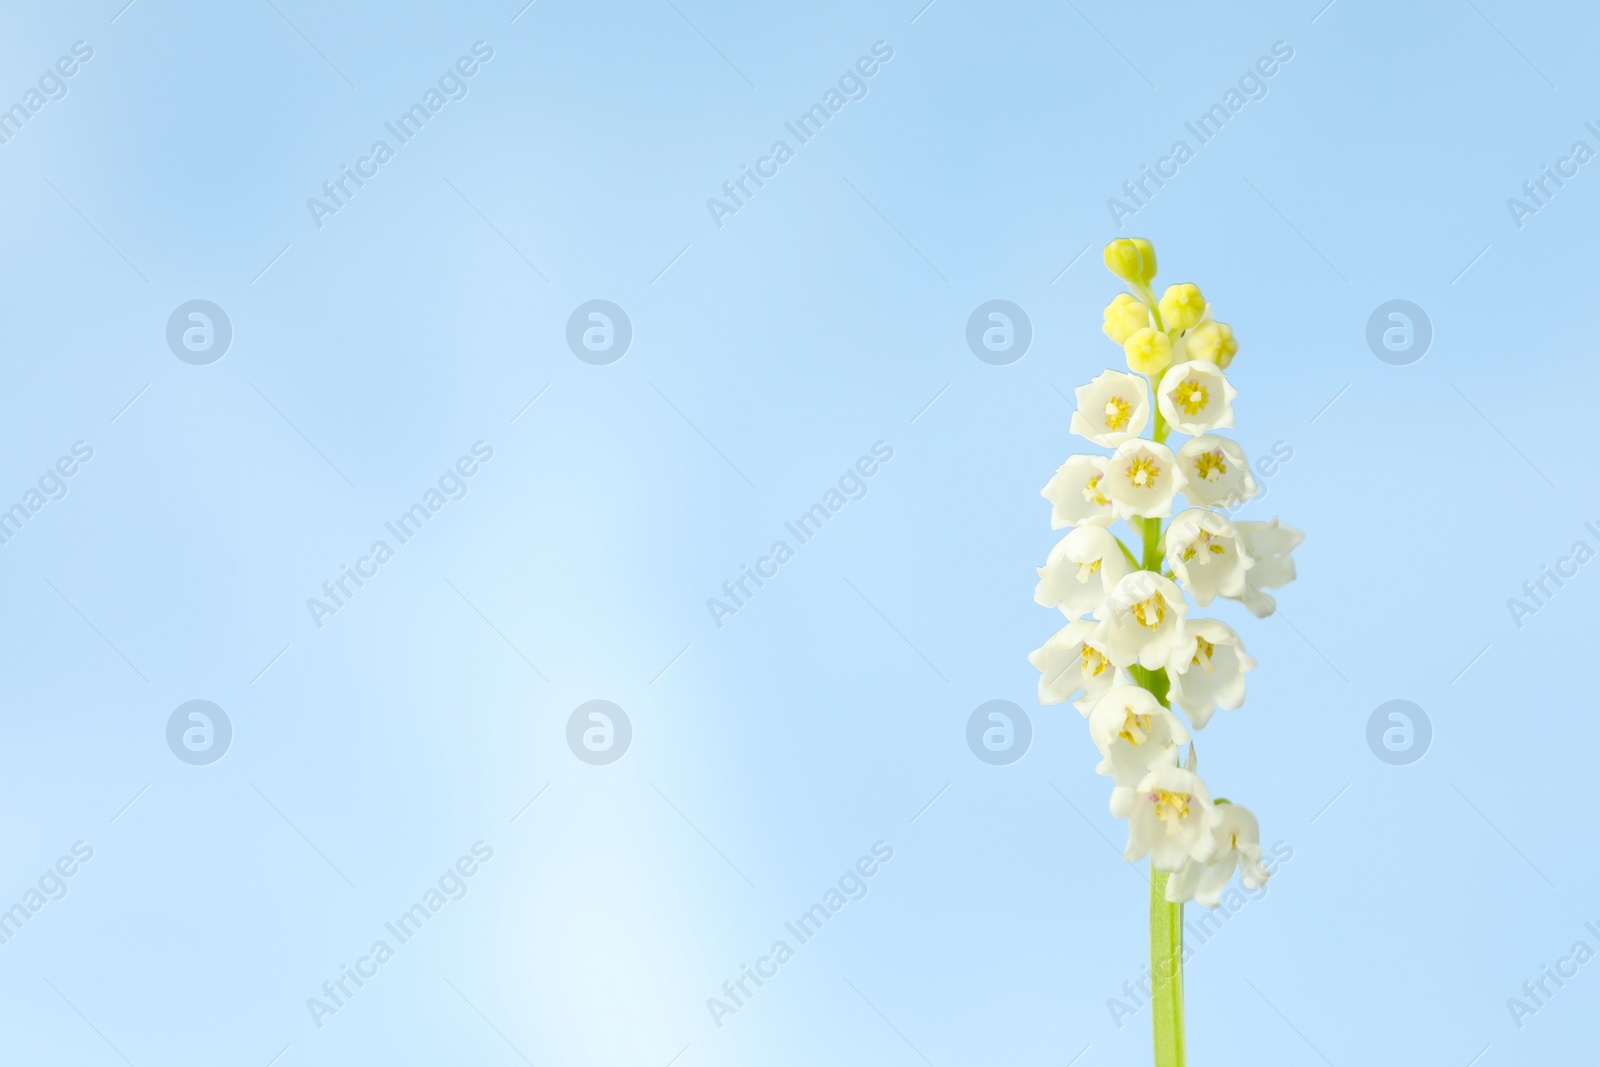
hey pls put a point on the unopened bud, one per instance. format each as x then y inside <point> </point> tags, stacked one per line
<point>1212,342</point>
<point>1132,259</point>
<point>1149,352</point>
<point>1125,316</point>
<point>1182,306</point>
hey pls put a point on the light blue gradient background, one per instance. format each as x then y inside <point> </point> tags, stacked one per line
<point>793,338</point>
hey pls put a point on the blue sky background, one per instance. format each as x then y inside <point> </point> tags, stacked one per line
<point>767,356</point>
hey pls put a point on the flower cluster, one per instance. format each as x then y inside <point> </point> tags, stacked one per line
<point>1131,649</point>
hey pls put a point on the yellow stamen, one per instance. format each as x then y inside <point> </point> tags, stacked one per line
<point>1092,493</point>
<point>1135,728</point>
<point>1094,664</point>
<point>1150,613</point>
<point>1171,808</point>
<point>1204,539</point>
<point>1205,648</point>
<point>1191,396</point>
<point>1118,411</point>
<point>1210,465</point>
<point>1143,472</point>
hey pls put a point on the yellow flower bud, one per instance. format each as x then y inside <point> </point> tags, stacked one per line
<point>1149,351</point>
<point>1181,306</point>
<point>1213,342</point>
<point>1132,259</point>
<point>1125,316</point>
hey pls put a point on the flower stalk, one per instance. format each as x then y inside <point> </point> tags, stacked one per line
<point>1131,650</point>
<point>1166,918</point>
<point>1166,972</point>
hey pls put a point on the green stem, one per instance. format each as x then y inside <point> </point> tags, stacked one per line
<point>1133,561</point>
<point>1166,973</point>
<point>1166,920</point>
<point>1159,434</point>
<point>1151,531</point>
<point>1148,297</point>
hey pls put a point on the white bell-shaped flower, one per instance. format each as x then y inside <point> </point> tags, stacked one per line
<point>1207,556</point>
<point>1112,408</point>
<point>1141,479</point>
<point>1074,659</point>
<point>1207,670</point>
<point>1172,820</point>
<point>1195,397</point>
<point>1216,473</point>
<point>1238,837</point>
<point>1080,572</point>
<point>1135,735</point>
<point>1142,620</point>
<point>1076,494</point>
<point>1270,545</point>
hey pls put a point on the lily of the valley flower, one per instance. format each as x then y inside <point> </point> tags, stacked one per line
<point>1142,620</point>
<point>1238,837</point>
<point>1135,735</point>
<point>1172,820</point>
<point>1112,408</point>
<point>1195,397</point>
<point>1269,544</point>
<point>1146,675</point>
<point>1141,479</point>
<point>1216,473</point>
<point>1077,495</point>
<point>1207,555</point>
<point>1081,570</point>
<point>1207,670</point>
<point>1074,659</point>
